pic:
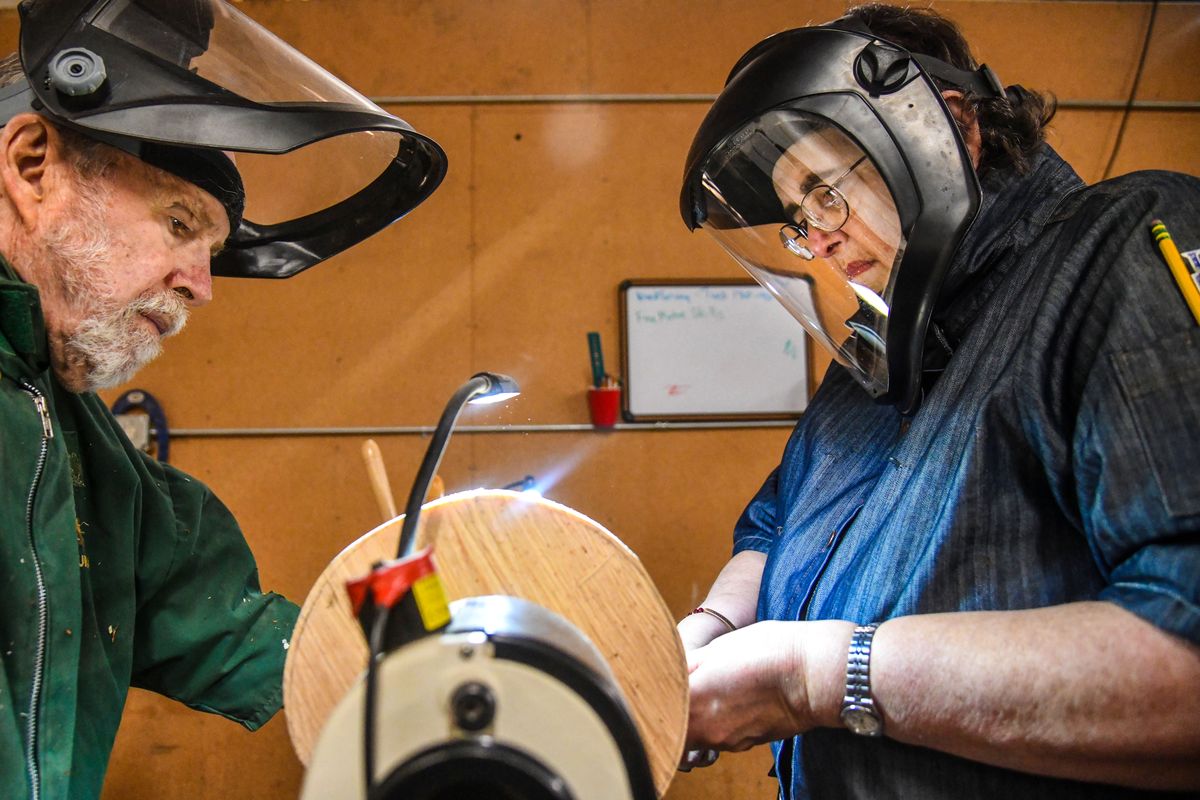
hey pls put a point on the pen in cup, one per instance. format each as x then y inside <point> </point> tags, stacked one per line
<point>597,355</point>
<point>604,396</point>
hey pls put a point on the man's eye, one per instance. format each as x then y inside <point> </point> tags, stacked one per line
<point>178,226</point>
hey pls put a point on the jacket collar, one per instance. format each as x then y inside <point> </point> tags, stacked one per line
<point>22,328</point>
<point>1014,210</point>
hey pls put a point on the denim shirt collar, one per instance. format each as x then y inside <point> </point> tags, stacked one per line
<point>1014,210</point>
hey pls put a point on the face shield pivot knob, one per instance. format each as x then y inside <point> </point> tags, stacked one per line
<point>882,69</point>
<point>77,72</point>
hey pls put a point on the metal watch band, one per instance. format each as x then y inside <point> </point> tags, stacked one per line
<point>859,712</point>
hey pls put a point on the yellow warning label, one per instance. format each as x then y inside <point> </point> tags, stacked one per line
<point>431,601</point>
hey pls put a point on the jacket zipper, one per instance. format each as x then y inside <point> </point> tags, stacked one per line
<point>39,663</point>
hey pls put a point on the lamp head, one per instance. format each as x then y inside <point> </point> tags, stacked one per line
<point>483,387</point>
<point>493,388</point>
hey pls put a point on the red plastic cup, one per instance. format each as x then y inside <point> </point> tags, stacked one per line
<point>605,404</point>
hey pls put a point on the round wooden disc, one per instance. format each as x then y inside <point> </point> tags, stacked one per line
<point>499,542</point>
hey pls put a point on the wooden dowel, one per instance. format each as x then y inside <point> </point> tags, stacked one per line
<point>437,489</point>
<point>379,479</point>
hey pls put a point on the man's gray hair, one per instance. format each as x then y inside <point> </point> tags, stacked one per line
<point>10,69</point>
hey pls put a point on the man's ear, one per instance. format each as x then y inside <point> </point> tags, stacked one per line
<point>31,163</point>
<point>968,123</point>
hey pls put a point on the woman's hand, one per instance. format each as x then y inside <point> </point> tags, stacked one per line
<point>697,630</point>
<point>767,681</point>
<point>734,595</point>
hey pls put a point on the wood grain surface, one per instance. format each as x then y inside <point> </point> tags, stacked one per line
<point>500,542</point>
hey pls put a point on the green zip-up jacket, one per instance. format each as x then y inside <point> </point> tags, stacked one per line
<point>115,571</point>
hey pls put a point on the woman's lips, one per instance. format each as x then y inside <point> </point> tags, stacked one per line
<point>856,268</point>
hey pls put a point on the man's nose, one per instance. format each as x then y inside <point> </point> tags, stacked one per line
<point>825,243</point>
<point>193,280</point>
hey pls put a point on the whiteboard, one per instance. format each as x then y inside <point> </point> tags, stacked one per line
<point>713,349</point>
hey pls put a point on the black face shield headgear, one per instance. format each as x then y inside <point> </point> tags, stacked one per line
<point>832,170</point>
<point>179,83</point>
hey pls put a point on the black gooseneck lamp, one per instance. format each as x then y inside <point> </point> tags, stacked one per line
<point>483,387</point>
<point>388,587</point>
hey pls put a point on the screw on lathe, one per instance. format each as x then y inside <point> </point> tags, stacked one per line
<point>474,706</point>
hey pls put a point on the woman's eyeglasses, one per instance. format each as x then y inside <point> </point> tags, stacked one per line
<point>825,208</point>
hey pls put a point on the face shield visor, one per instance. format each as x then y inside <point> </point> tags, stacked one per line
<point>194,87</point>
<point>833,171</point>
<point>804,210</point>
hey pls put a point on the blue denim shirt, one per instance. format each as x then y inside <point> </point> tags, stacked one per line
<point>1054,460</point>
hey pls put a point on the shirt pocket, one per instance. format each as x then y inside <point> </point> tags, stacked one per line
<point>1162,386</point>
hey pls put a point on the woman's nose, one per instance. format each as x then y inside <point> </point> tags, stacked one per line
<point>825,243</point>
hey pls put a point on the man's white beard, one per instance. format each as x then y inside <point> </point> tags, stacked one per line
<point>113,341</point>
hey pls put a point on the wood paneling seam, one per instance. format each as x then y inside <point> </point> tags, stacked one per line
<point>427,430</point>
<point>708,99</point>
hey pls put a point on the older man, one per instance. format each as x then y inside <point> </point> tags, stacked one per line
<point>117,203</point>
<point>976,571</point>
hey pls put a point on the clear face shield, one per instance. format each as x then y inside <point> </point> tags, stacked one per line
<point>250,61</point>
<point>322,166</point>
<point>804,210</point>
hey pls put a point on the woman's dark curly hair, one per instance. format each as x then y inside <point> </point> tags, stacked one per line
<point>1011,127</point>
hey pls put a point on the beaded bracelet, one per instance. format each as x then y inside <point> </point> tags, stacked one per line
<point>717,614</point>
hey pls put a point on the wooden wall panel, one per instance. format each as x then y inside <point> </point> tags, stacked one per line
<point>735,775</point>
<point>1085,139</point>
<point>1160,140</point>
<point>167,752</point>
<point>570,200</point>
<point>1173,60</point>
<point>546,207</point>
<point>481,47</point>
<point>461,47</point>
<point>1152,140</point>
<point>9,29</point>
<point>1076,50</point>
<point>484,47</point>
<point>699,41</point>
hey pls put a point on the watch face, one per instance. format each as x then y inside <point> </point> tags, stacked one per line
<point>862,720</point>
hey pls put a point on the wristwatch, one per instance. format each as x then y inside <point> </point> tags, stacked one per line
<point>859,713</point>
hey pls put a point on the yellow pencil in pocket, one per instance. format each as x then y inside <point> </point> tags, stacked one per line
<point>1183,275</point>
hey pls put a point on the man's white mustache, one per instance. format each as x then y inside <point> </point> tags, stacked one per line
<point>166,307</point>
